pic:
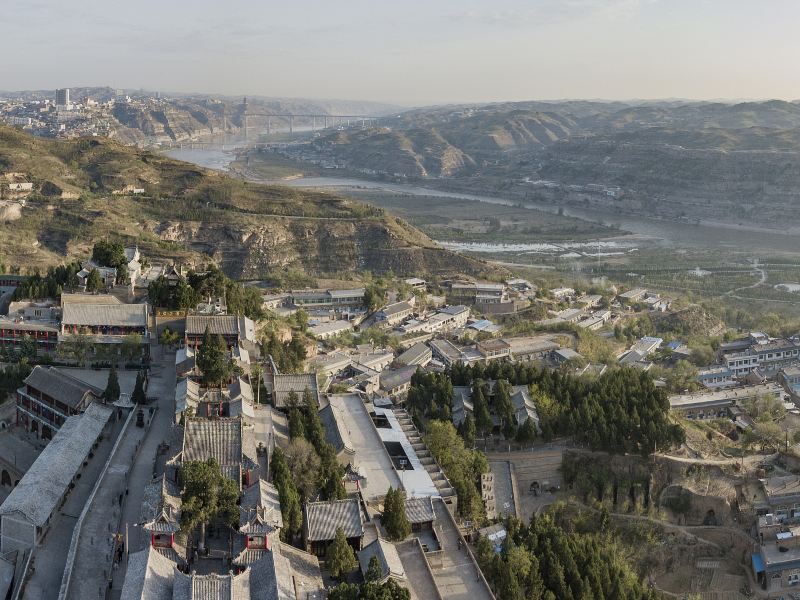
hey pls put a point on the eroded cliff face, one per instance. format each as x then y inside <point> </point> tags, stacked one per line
<point>249,250</point>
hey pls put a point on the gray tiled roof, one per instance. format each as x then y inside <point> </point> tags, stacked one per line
<point>221,324</point>
<point>387,556</point>
<point>260,505</point>
<point>420,510</point>
<point>220,439</point>
<point>118,315</point>
<point>335,430</point>
<point>283,384</point>
<point>149,576</point>
<point>60,386</point>
<point>40,490</point>
<point>324,518</point>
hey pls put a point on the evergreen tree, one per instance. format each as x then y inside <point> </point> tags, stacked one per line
<point>207,494</point>
<point>374,572</point>
<point>212,359</point>
<point>139,396</point>
<point>112,386</point>
<point>394,518</point>
<point>526,434</point>
<point>467,431</point>
<point>340,558</point>
<point>483,420</point>
<point>288,496</point>
<point>94,283</point>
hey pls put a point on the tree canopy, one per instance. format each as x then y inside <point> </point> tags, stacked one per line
<point>340,558</point>
<point>112,391</point>
<point>207,495</point>
<point>394,518</point>
<point>549,560</point>
<point>212,359</point>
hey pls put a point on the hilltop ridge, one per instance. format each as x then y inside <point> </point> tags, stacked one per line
<point>83,190</point>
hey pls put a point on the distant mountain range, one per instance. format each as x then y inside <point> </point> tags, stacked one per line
<point>692,160</point>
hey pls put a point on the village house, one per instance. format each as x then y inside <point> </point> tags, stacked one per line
<point>393,314</point>
<point>105,323</point>
<point>417,355</point>
<point>327,298</point>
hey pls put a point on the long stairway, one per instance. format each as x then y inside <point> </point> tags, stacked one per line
<point>440,481</point>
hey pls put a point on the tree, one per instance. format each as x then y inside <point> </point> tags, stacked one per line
<point>340,558</point>
<point>287,495</point>
<point>27,348</point>
<point>394,516</point>
<point>112,386</point>
<point>345,591</point>
<point>483,419</point>
<point>304,465</point>
<point>467,431</point>
<point>138,396</point>
<point>168,337</point>
<point>374,571</point>
<point>207,494</point>
<point>213,361</point>
<point>94,283</point>
<point>526,434</point>
<point>131,347</point>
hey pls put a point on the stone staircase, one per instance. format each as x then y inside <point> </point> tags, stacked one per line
<point>440,481</point>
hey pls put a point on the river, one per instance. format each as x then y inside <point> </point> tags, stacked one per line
<point>667,233</point>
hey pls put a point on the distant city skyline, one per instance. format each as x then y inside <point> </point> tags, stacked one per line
<point>410,54</point>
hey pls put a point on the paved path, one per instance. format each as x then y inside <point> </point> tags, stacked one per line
<point>162,386</point>
<point>503,487</point>
<point>95,551</point>
<point>458,578</point>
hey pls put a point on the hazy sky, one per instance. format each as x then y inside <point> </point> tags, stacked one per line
<point>408,51</point>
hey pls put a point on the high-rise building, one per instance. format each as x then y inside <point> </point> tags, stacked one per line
<point>62,97</point>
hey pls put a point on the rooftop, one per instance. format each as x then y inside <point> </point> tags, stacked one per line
<point>220,439</point>
<point>95,315</point>
<point>324,518</point>
<point>354,426</point>
<point>60,386</point>
<point>40,490</point>
<point>283,384</point>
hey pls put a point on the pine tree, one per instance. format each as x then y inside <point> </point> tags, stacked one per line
<point>94,283</point>
<point>112,386</point>
<point>394,518</point>
<point>483,420</point>
<point>139,396</point>
<point>374,572</point>
<point>467,431</point>
<point>340,558</point>
<point>526,434</point>
<point>212,359</point>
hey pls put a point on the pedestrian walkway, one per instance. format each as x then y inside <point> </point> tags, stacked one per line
<point>459,577</point>
<point>94,557</point>
<point>162,387</point>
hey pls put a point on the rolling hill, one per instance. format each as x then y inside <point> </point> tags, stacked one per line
<point>191,215</point>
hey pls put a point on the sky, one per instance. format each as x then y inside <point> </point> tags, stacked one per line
<point>408,52</point>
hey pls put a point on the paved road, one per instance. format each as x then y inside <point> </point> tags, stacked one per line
<point>162,386</point>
